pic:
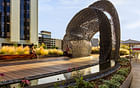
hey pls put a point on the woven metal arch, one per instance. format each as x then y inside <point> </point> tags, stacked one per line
<point>107,6</point>
<point>88,22</point>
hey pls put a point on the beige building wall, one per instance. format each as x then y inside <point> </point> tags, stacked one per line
<point>58,43</point>
<point>34,22</point>
<point>15,21</point>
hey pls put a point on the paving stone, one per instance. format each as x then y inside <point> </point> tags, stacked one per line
<point>136,74</point>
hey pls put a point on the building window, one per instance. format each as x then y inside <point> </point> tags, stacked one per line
<point>5,18</point>
<point>24,19</point>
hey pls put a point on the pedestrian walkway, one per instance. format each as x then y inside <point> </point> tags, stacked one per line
<point>15,70</point>
<point>136,74</point>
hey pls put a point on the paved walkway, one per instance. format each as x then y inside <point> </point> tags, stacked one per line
<point>26,68</point>
<point>136,74</point>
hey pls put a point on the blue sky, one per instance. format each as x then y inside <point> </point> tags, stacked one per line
<point>54,15</point>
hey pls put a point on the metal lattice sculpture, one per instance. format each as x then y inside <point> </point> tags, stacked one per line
<point>85,24</point>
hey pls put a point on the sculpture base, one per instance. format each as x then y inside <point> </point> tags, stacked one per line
<point>80,48</point>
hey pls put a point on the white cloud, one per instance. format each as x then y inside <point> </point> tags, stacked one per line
<point>46,8</point>
<point>120,2</point>
<point>136,11</point>
<point>44,1</point>
<point>65,2</point>
<point>133,25</point>
<point>77,3</point>
<point>74,1</point>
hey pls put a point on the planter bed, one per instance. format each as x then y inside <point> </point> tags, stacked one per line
<point>127,82</point>
<point>107,80</point>
<point>49,56</point>
<point>16,57</point>
<point>24,57</point>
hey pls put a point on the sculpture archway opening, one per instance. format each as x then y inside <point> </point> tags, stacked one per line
<point>86,23</point>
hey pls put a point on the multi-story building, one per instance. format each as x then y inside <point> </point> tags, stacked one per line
<point>45,37</point>
<point>56,43</point>
<point>18,22</point>
<point>94,42</point>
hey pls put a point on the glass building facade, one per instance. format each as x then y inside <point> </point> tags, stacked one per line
<point>4,18</point>
<point>24,19</point>
<point>18,22</point>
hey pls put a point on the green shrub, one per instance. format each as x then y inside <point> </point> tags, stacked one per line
<point>124,64</point>
<point>80,83</point>
<point>103,86</point>
<point>118,77</point>
<point>35,46</point>
<point>15,45</point>
<point>43,45</point>
<point>112,83</point>
<point>123,60</point>
<point>123,71</point>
